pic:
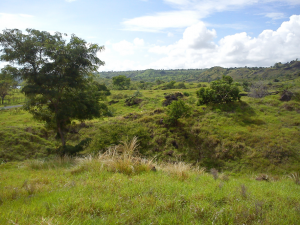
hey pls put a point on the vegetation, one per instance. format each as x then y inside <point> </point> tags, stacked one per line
<point>57,86</point>
<point>280,71</point>
<point>7,83</point>
<point>220,91</point>
<point>118,187</point>
<point>121,82</point>
<point>144,152</point>
<point>176,110</point>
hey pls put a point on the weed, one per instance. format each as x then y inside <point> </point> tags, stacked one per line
<point>243,191</point>
<point>224,177</point>
<point>29,187</point>
<point>214,173</point>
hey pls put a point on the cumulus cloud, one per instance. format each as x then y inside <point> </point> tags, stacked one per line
<point>197,50</point>
<point>128,48</point>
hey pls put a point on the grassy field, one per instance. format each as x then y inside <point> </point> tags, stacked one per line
<point>253,134</point>
<point>122,189</point>
<point>224,164</point>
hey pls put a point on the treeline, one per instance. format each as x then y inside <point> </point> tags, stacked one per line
<point>278,72</point>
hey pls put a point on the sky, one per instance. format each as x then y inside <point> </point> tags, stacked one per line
<point>169,34</point>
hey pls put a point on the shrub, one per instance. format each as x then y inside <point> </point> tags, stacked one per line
<point>181,85</point>
<point>186,94</point>
<point>220,91</point>
<point>258,90</point>
<point>176,110</point>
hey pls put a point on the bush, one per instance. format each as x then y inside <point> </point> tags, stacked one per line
<point>186,94</point>
<point>259,90</point>
<point>176,110</point>
<point>181,85</point>
<point>220,91</point>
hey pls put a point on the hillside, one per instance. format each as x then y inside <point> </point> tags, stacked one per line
<point>287,71</point>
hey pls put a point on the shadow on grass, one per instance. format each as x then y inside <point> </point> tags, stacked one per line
<point>240,111</point>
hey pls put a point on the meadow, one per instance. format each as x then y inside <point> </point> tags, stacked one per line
<point>122,189</point>
<point>235,163</point>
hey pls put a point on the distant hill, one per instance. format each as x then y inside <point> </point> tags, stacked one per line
<point>280,71</point>
<point>150,75</point>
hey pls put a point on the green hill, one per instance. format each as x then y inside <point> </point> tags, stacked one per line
<point>280,71</point>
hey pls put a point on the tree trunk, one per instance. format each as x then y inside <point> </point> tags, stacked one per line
<point>62,138</point>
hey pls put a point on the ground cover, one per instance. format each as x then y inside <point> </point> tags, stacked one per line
<point>127,190</point>
<point>260,134</point>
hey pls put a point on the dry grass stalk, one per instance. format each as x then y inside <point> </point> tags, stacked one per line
<point>295,177</point>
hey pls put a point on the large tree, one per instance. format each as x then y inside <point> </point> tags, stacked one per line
<point>57,75</point>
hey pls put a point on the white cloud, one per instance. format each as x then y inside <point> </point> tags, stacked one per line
<point>127,48</point>
<point>189,12</point>
<point>170,34</point>
<point>138,42</point>
<point>70,0</point>
<point>197,50</point>
<point>124,47</point>
<point>162,20</point>
<point>17,21</point>
<point>275,16</point>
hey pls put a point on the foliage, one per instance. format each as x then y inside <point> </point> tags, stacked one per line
<point>286,71</point>
<point>7,82</point>
<point>113,133</point>
<point>220,91</point>
<point>246,86</point>
<point>121,82</point>
<point>181,85</point>
<point>258,90</point>
<point>176,110</point>
<point>102,88</point>
<point>170,85</point>
<point>56,74</point>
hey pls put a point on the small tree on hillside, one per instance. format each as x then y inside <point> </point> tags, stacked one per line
<point>176,110</point>
<point>259,90</point>
<point>121,82</point>
<point>220,91</point>
<point>57,75</point>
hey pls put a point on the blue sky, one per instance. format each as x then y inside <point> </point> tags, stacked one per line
<point>169,34</point>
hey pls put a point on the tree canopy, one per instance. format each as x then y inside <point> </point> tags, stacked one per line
<point>121,82</point>
<point>220,91</point>
<point>57,75</point>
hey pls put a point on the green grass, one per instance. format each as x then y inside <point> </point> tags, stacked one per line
<point>119,186</point>
<point>87,191</point>
<point>254,134</point>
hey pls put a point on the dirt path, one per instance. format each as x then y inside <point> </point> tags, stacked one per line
<point>11,106</point>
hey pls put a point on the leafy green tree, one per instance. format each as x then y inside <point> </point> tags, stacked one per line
<point>7,83</point>
<point>220,91</point>
<point>57,75</point>
<point>246,86</point>
<point>121,82</point>
<point>181,85</point>
<point>176,110</point>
